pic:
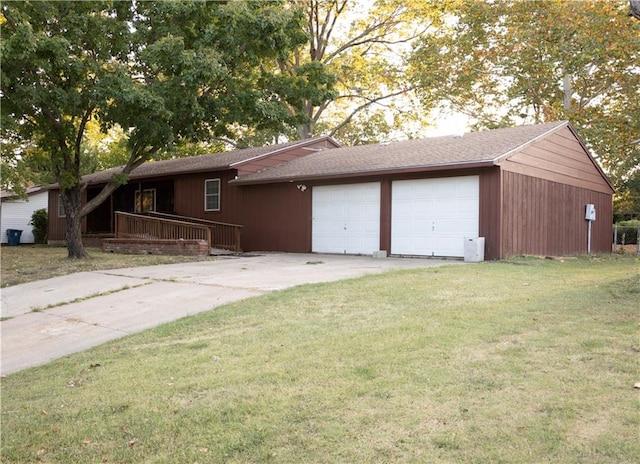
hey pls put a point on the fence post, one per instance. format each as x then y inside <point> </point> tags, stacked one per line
<point>615,238</point>
<point>638,241</point>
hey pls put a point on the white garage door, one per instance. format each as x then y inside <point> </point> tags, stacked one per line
<point>346,218</point>
<point>431,217</point>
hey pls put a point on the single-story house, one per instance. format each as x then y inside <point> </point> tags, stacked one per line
<point>16,212</point>
<point>524,189</point>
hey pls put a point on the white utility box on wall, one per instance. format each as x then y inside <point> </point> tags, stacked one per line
<point>473,249</point>
<point>590,213</point>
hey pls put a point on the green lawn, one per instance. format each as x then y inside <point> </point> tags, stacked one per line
<point>27,263</point>
<point>524,361</point>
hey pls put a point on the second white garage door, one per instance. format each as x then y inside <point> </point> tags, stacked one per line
<point>346,218</point>
<point>431,217</point>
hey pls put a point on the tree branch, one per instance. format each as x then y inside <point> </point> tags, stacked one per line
<point>80,135</point>
<point>368,103</point>
<point>137,158</point>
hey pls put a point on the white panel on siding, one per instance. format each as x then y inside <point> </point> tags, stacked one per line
<point>346,218</point>
<point>431,217</point>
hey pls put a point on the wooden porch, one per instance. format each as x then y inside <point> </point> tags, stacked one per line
<point>153,226</point>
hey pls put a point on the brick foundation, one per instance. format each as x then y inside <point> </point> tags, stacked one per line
<point>156,247</point>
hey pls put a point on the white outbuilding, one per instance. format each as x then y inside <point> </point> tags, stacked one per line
<point>16,212</point>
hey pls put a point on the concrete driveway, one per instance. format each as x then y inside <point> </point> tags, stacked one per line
<point>52,318</point>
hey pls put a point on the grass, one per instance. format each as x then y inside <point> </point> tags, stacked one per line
<point>27,263</point>
<point>524,361</point>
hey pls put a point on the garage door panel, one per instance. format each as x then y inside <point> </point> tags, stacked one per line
<point>404,208</point>
<point>432,216</point>
<point>361,211</point>
<point>468,207</point>
<point>447,246</point>
<point>323,211</point>
<point>346,218</point>
<point>421,224</point>
<point>454,226</point>
<point>329,228</point>
<point>424,208</point>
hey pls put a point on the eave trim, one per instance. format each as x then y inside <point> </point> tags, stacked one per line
<point>368,173</point>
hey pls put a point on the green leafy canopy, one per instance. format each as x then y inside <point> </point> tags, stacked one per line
<point>162,72</point>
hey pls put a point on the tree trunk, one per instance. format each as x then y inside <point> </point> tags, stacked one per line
<point>567,92</point>
<point>73,235</point>
<point>73,229</point>
<point>304,131</point>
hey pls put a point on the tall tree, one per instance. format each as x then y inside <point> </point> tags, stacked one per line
<point>164,72</point>
<point>363,45</point>
<point>509,62</point>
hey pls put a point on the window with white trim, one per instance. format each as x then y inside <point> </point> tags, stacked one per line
<point>212,195</point>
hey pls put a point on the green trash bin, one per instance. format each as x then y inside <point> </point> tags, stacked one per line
<point>13,236</point>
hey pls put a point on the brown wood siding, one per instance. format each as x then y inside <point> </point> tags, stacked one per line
<point>276,217</point>
<point>55,224</point>
<point>490,212</point>
<point>385,215</point>
<point>558,158</point>
<point>189,197</point>
<point>541,217</point>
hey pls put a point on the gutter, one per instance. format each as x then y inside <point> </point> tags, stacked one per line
<point>382,171</point>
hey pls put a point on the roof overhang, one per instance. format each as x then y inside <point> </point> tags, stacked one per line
<point>369,173</point>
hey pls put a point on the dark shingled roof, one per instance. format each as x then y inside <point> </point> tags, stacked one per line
<point>475,148</point>
<point>209,162</point>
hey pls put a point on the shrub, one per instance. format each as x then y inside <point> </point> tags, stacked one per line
<point>39,221</point>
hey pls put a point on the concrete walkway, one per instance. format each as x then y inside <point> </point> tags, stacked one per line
<point>52,318</point>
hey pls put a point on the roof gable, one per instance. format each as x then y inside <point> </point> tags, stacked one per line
<point>561,156</point>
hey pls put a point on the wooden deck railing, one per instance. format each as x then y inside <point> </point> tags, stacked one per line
<point>223,235</point>
<point>169,226</point>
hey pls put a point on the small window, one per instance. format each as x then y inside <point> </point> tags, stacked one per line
<point>61,212</point>
<point>212,195</point>
<point>145,201</point>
